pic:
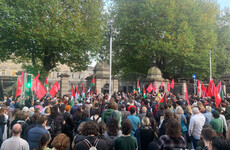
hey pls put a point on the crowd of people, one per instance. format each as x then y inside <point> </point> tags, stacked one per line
<point>126,121</point>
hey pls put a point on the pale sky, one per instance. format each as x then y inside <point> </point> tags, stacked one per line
<point>224,3</point>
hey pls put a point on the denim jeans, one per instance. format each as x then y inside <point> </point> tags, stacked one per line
<point>194,142</point>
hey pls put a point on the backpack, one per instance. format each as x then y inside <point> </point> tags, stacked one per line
<point>110,117</point>
<point>52,127</point>
<point>90,146</point>
<point>96,120</point>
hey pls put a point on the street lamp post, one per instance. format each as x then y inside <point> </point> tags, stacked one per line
<point>110,57</point>
<point>194,78</point>
<point>210,59</point>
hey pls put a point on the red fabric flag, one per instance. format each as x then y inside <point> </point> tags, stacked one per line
<point>217,98</point>
<point>204,91</point>
<point>168,88</point>
<point>95,90</point>
<point>186,96</point>
<point>162,99</point>
<point>76,89</point>
<point>150,88</point>
<point>93,80</point>
<point>155,87</point>
<point>218,87</point>
<point>161,84</point>
<point>54,89</point>
<point>34,83</point>
<point>19,90</point>
<point>211,88</point>
<point>38,88</point>
<point>172,84</point>
<point>22,78</point>
<point>198,86</point>
<point>46,81</point>
<point>73,91</point>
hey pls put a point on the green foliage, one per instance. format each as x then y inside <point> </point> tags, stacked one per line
<point>179,32</point>
<point>44,33</point>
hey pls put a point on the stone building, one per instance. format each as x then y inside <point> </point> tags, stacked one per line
<point>9,70</point>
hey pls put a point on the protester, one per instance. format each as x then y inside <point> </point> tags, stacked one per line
<point>43,141</point>
<point>135,121</point>
<point>15,142</point>
<point>60,142</point>
<point>90,131</point>
<point>126,141</point>
<point>197,122</point>
<point>145,134</point>
<point>35,133</point>
<point>173,137</point>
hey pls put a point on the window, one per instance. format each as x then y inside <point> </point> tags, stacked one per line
<point>79,76</point>
<point>3,72</point>
<point>73,75</point>
<point>50,75</point>
<point>13,72</point>
<point>58,74</point>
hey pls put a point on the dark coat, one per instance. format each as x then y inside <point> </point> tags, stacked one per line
<point>34,134</point>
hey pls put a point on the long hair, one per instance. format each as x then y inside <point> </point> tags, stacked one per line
<point>43,140</point>
<point>173,129</point>
<point>113,127</point>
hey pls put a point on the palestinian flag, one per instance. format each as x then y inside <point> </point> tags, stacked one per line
<point>72,97</point>
<point>163,99</point>
<point>222,93</point>
<point>138,88</point>
<point>83,91</point>
<point>47,86</point>
<point>91,85</point>
<point>144,94</point>
<point>77,95</point>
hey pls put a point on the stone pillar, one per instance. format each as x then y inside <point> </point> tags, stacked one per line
<point>224,88</point>
<point>184,85</point>
<point>64,83</point>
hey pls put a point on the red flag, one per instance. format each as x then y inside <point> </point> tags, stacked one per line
<point>73,91</point>
<point>168,88</point>
<point>76,89</point>
<point>186,96</point>
<point>54,89</point>
<point>161,84</point>
<point>155,87</point>
<point>34,83</point>
<point>46,81</point>
<point>22,78</point>
<point>217,98</point>
<point>38,88</point>
<point>93,80</point>
<point>218,87</point>
<point>198,86</point>
<point>204,91</point>
<point>95,90</point>
<point>150,88</point>
<point>172,84</point>
<point>163,99</point>
<point>19,90</point>
<point>211,88</point>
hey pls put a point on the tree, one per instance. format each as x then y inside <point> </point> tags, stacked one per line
<point>179,33</point>
<point>42,34</point>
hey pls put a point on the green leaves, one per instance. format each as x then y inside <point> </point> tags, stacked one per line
<point>51,32</point>
<point>180,33</point>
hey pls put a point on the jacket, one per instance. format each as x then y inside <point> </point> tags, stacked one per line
<point>106,115</point>
<point>34,134</point>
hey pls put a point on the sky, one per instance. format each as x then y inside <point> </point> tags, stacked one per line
<point>224,3</point>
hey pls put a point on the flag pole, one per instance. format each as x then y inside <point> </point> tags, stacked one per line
<point>110,59</point>
<point>210,61</point>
